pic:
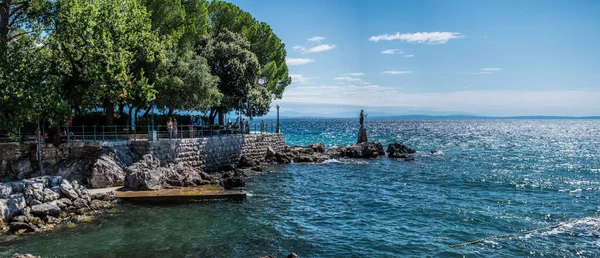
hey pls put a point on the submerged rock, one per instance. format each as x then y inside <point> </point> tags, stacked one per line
<point>17,255</point>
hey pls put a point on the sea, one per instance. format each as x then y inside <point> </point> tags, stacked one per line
<point>492,188</point>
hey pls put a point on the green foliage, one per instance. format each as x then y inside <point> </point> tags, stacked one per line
<point>26,91</point>
<point>60,56</point>
<point>94,45</point>
<point>230,59</point>
<point>267,47</point>
<point>188,84</point>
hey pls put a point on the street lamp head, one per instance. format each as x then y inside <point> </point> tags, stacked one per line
<point>277,106</point>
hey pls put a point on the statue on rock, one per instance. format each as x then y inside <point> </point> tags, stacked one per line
<point>362,132</point>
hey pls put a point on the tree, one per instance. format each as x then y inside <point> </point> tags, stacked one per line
<point>27,91</point>
<point>185,82</point>
<point>188,84</point>
<point>230,59</point>
<point>267,47</point>
<point>94,44</point>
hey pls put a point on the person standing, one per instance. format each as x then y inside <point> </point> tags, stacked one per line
<point>175,127</point>
<point>170,127</point>
<point>191,126</point>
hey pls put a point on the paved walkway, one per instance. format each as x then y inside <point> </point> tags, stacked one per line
<point>104,190</point>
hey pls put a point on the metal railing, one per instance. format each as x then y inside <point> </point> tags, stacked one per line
<point>93,133</point>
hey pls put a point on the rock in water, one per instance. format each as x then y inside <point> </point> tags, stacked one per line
<point>106,173</point>
<point>45,209</point>
<point>398,150</point>
<point>360,150</point>
<point>17,255</point>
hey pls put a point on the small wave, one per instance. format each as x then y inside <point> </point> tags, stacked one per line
<point>437,153</point>
<point>249,194</point>
<point>575,191</point>
<point>331,161</point>
<point>588,226</point>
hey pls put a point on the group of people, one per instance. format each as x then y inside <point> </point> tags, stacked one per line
<point>196,122</point>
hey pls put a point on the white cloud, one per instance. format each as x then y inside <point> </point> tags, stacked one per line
<point>315,49</point>
<point>316,39</point>
<point>485,71</point>
<point>408,56</point>
<point>354,74</point>
<point>298,61</point>
<point>299,78</point>
<point>347,78</point>
<point>396,72</point>
<point>420,37</point>
<point>392,51</point>
<point>487,102</point>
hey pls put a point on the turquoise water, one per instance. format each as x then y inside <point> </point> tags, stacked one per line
<point>494,177</point>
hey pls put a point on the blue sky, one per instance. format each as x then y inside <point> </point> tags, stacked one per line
<point>498,58</point>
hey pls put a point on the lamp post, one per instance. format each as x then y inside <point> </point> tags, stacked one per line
<point>278,129</point>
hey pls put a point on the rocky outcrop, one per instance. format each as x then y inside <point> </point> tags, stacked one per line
<point>22,168</point>
<point>106,173</point>
<point>40,203</point>
<point>359,150</point>
<point>148,174</point>
<point>398,150</point>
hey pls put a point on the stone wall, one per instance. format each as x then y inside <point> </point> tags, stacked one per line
<point>210,153</point>
<point>18,160</point>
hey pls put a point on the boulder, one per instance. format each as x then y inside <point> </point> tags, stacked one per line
<point>67,189</point>
<point>35,191</point>
<point>106,173</point>
<point>99,204</point>
<point>145,174</point>
<point>50,195</point>
<point>292,255</point>
<point>359,150</point>
<point>398,150</point>
<point>270,153</point>
<point>246,162</point>
<point>318,147</point>
<point>233,179</point>
<point>45,209</point>
<point>21,168</point>
<point>13,205</point>
<point>18,226</point>
<point>80,203</point>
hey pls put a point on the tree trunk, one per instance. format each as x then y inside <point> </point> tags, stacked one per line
<point>130,116</point>
<point>170,112</point>
<point>121,110</point>
<point>150,106</point>
<point>212,115</point>
<point>221,118</point>
<point>109,108</point>
<point>4,10</point>
<point>135,114</point>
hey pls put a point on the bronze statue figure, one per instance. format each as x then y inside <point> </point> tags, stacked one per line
<point>362,117</point>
